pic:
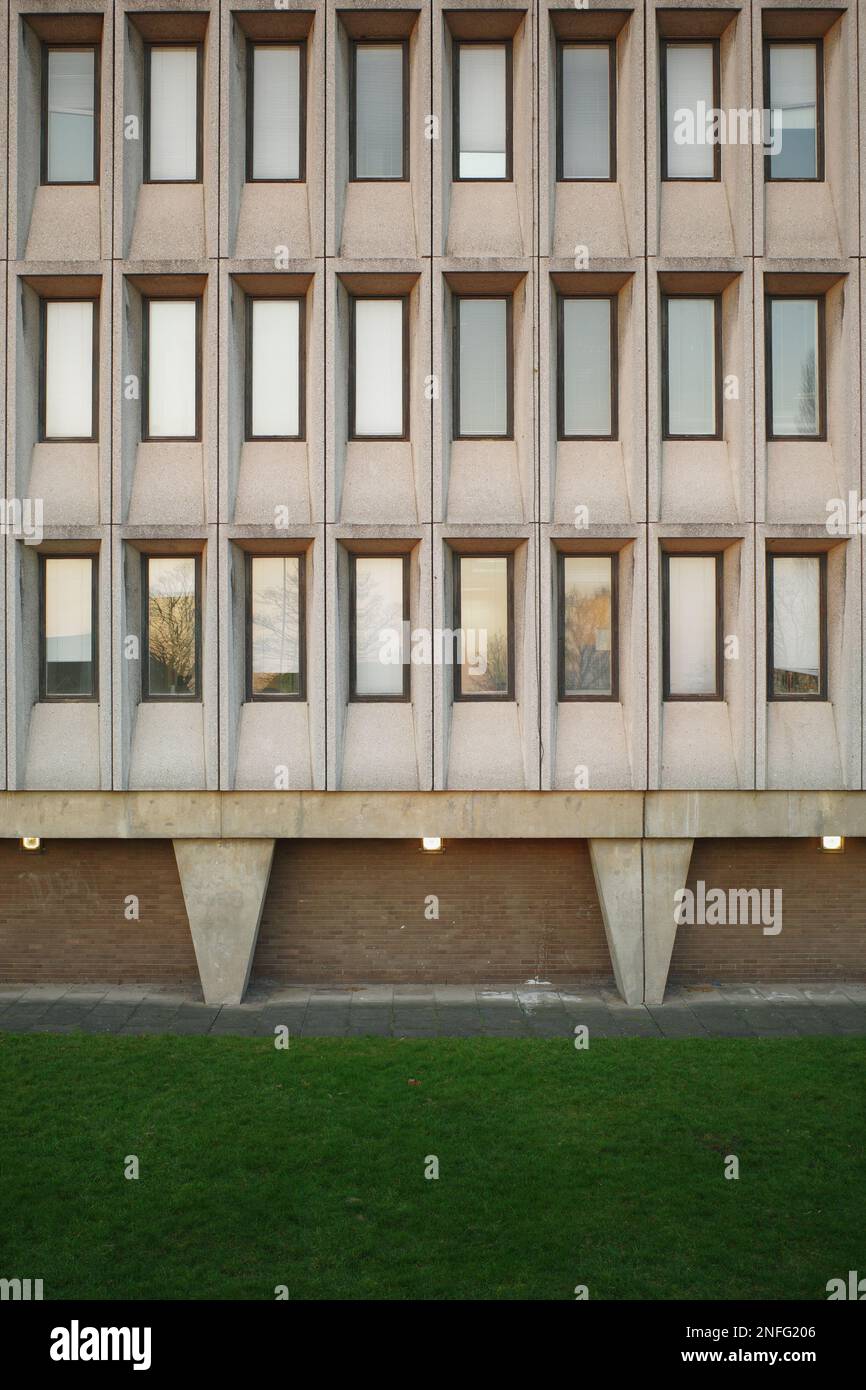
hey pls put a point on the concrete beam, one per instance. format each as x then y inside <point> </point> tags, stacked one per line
<point>665,870</point>
<point>224,884</point>
<point>617,869</point>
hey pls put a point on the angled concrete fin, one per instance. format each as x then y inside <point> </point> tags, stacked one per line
<point>224,884</point>
<point>616,867</point>
<point>665,870</point>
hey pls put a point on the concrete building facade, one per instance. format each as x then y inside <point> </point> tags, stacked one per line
<point>426,310</point>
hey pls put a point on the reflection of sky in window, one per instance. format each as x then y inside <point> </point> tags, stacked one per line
<point>275,614</point>
<point>70,115</point>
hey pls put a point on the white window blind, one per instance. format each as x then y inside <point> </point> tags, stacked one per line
<point>276,111</point>
<point>483,116</point>
<point>796,624</point>
<point>69,627</point>
<point>70,144</point>
<point>586,372</point>
<point>795,357</point>
<point>173,114</point>
<point>691,366</point>
<point>689,76</point>
<point>484,367</point>
<point>69,369</point>
<point>692,624</point>
<point>585,111</point>
<point>379,111</point>
<point>378,367</point>
<point>275,374</point>
<point>794,93</point>
<point>378,617</point>
<point>171,369</point>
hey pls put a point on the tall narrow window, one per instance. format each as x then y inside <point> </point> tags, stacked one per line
<point>275,617</point>
<point>690,93</point>
<point>587,627</point>
<point>797,627</point>
<point>587,111</point>
<point>691,611</point>
<point>482,118</point>
<point>379,120</point>
<point>69,368</point>
<point>482,363</point>
<point>274,368</point>
<point>378,369</point>
<point>69,115</point>
<point>173,119</point>
<point>484,640</point>
<point>692,376</point>
<point>587,368</point>
<point>275,112</point>
<point>68,666</point>
<point>795,368</point>
<point>378,662</point>
<point>171,397</point>
<point>171,627</point>
<point>792,81</point>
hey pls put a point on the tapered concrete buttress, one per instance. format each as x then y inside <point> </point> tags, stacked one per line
<point>665,870</point>
<point>616,867</point>
<point>224,884</point>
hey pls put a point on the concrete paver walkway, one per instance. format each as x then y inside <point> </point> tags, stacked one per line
<point>454,1011</point>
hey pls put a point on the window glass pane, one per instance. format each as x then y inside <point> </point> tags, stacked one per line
<point>585,111</point>
<point>69,627</point>
<point>276,111</point>
<point>71,79</point>
<point>689,70</point>
<point>378,622</point>
<point>586,376</point>
<point>796,624</point>
<point>171,625</point>
<point>483,111</point>
<point>379,111</point>
<point>275,619</point>
<point>275,376</point>
<point>484,366</point>
<point>484,624</point>
<point>173,114</point>
<point>691,379</point>
<point>692,624</point>
<point>587,625</point>
<point>794,93</point>
<point>795,366</point>
<point>69,369</point>
<point>171,369</point>
<point>379,367</point>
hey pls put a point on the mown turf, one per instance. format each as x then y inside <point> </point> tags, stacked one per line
<point>305,1167</point>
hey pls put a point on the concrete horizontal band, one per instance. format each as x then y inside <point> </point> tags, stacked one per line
<point>515,815</point>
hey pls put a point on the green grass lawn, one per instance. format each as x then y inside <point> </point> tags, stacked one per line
<point>305,1167</point>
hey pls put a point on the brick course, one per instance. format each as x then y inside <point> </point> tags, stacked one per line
<point>61,914</point>
<point>510,911</point>
<point>823,934</point>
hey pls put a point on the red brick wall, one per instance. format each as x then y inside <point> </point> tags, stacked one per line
<point>61,914</point>
<point>823,934</point>
<point>350,911</point>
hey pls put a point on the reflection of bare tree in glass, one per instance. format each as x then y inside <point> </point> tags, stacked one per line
<point>494,680</point>
<point>375,612</point>
<point>171,638</point>
<point>275,638</point>
<point>807,417</point>
<point>792,613</point>
<point>586,668</point>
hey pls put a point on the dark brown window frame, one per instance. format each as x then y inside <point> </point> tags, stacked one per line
<point>301,302</point>
<point>718,385</point>
<point>252,45</point>
<point>146,436</point>
<point>588,697</point>
<point>44,438</point>
<point>506,696</point>
<point>198,45</point>
<point>276,696</point>
<point>44,697</point>
<point>561,45</point>
<point>384,438</point>
<point>194,697</point>
<point>669,696</point>
<point>681,42</point>
<point>456,432</point>
<point>353,114</point>
<point>560,367</point>
<point>48,48</point>
<point>821,391</point>
<point>355,697</point>
<point>456,46</point>
<point>821,556</point>
<point>818,176</point>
